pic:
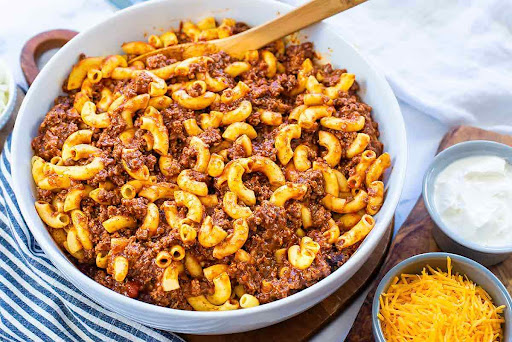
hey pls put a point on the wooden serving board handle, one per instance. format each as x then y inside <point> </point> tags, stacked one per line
<point>39,44</point>
<point>415,236</point>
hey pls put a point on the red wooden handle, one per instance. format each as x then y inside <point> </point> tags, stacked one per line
<point>38,44</point>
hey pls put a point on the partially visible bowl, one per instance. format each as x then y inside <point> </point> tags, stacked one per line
<point>475,272</point>
<point>446,238</point>
<point>148,17</point>
<point>5,114</point>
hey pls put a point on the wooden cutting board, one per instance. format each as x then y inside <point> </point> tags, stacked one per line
<point>415,236</point>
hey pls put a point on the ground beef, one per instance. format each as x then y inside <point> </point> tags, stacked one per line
<point>259,183</point>
<point>221,219</point>
<point>136,160</point>
<point>315,182</point>
<point>158,61</point>
<point>295,55</point>
<point>319,215</point>
<point>60,122</point>
<point>270,221</point>
<point>240,27</point>
<point>171,169</point>
<point>173,120</point>
<point>236,151</point>
<point>330,76</point>
<point>195,90</point>
<point>135,207</point>
<point>220,61</point>
<point>211,136</point>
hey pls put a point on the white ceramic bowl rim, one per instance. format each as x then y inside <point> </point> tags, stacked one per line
<point>478,148</point>
<point>71,272</point>
<point>424,258</point>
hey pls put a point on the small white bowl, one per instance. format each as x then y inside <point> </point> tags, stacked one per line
<point>446,238</point>
<point>6,113</point>
<point>475,272</point>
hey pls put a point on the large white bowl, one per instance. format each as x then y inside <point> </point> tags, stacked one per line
<point>131,24</point>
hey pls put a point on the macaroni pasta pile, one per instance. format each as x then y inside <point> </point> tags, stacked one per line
<point>209,183</point>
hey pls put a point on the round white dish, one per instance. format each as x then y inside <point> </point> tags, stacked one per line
<point>131,24</point>
<point>11,84</point>
<point>472,269</point>
<point>446,238</point>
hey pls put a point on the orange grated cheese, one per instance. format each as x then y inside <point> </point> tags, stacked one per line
<point>439,306</point>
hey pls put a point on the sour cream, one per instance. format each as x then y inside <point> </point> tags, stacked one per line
<point>474,199</point>
<point>4,87</point>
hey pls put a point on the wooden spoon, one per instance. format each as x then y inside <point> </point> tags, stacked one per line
<point>261,35</point>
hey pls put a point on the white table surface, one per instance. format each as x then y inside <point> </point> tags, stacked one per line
<point>423,132</point>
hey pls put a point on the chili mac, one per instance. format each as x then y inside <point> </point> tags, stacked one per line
<point>209,183</point>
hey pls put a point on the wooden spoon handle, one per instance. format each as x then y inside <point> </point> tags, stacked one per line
<point>293,21</point>
<point>38,44</point>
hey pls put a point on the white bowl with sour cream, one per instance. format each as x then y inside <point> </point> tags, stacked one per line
<point>468,193</point>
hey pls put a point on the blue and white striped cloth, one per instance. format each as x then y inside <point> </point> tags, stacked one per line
<point>36,302</point>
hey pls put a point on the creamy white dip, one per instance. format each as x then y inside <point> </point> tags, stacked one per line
<point>4,87</point>
<point>474,199</point>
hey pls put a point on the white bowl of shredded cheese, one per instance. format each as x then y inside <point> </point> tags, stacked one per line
<point>438,297</point>
<point>7,93</point>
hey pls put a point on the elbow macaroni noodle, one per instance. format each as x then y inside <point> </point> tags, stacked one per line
<point>172,176</point>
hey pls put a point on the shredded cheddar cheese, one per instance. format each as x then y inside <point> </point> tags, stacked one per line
<point>439,306</point>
